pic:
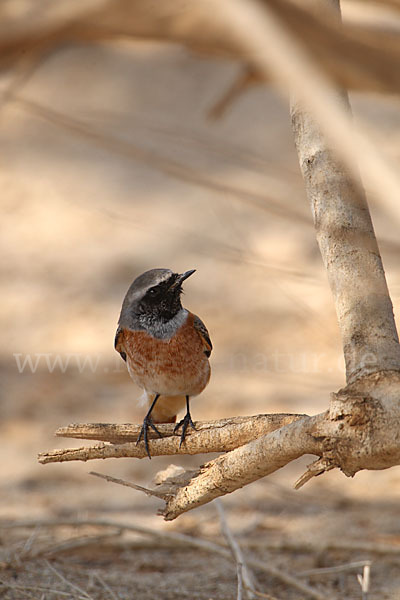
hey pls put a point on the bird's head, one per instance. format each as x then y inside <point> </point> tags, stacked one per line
<point>154,296</point>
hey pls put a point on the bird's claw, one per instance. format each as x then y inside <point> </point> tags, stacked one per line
<point>147,422</point>
<point>186,421</point>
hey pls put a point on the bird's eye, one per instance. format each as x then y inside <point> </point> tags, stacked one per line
<point>152,292</point>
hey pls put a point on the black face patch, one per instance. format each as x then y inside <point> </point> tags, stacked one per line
<point>162,301</point>
<point>156,292</point>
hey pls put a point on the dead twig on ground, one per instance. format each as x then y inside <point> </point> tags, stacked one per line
<point>282,544</point>
<point>73,544</point>
<point>263,595</point>
<point>364,580</point>
<point>245,578</point>
<point>73,586</point>
<point>34,588</point>
<point>352,566</point>
<point>168,537</point>
<point>106,586</point>
<point>178,539</point>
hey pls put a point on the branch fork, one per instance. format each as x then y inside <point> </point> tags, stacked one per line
<point>359,431</point>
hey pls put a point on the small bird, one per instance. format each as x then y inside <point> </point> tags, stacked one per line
<point>166,348</point>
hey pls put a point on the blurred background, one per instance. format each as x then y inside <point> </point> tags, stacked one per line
<point>112,164</point>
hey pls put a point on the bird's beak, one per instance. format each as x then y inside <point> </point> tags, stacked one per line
<point>185,275</point>
<point>181,278</point>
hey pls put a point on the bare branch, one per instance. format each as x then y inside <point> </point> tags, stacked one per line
<point>244,465</point>
<point>313,470</point>
<point>364,580</point>
<point>268,45</point>
<point>245,428</point>
<point>210,436</point>
<point>294,545</point>
<point>337,569</point>
<point>172,168</point>
<point>181,539</point>
<point>348,436</point>
<point>139,488</point>
<point>347,242</point>
<point>67,582</point>
<point>357,57</point>
<point>348,246</point>
<point>242,83</point>
<point>245,577</point>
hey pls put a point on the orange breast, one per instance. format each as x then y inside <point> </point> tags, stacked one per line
<point>168,367</point>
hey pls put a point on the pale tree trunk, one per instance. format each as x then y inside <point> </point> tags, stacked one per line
<point>350,253</point>
<point>349,249</point>
<point>360,430</point>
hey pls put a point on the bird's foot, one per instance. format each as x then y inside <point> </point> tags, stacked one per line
<point>147,422</point>
<point>186,421</point>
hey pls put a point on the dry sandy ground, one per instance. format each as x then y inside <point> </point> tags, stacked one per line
<point>135,177</point>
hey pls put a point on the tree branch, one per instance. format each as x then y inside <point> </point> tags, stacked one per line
<point>242,466</point>
<point>349,249</point>
<point>349,436</point>
<point>210,436</point>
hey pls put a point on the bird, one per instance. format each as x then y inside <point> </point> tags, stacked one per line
<point>166,348</point>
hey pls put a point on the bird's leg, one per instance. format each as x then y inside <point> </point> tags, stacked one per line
<point>148,422</point>
<point>186,421</point>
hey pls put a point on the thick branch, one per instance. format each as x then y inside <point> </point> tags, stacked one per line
<point>244,465</point>
<point>350,253</point>
<point>360,431</point>
<point>210,436</point>
<point>349,249</point>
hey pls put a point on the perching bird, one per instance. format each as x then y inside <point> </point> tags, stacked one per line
<point>166,348</point>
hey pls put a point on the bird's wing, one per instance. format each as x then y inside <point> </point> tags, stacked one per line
<point>204,335</point>
<point>118,344</point>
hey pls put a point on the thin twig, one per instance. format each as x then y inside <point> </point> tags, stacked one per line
<point>23,71</point>
<point>106,586</point>
<point>363,580</point>
<point>263,595</point>
<point>74,544</point>
<point>239,575</point>
<point>341,545</point>
<point>139,488</point>
<point>67,582</point>
<point>241,84</point>
<point>245,578</point>
<point>14,586</point>
<point>273,50</point>
<point>337,569</point>
<point>319,466</point>
<point>178,538</point>
<point>172,168</point>
<point>287,545</point>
